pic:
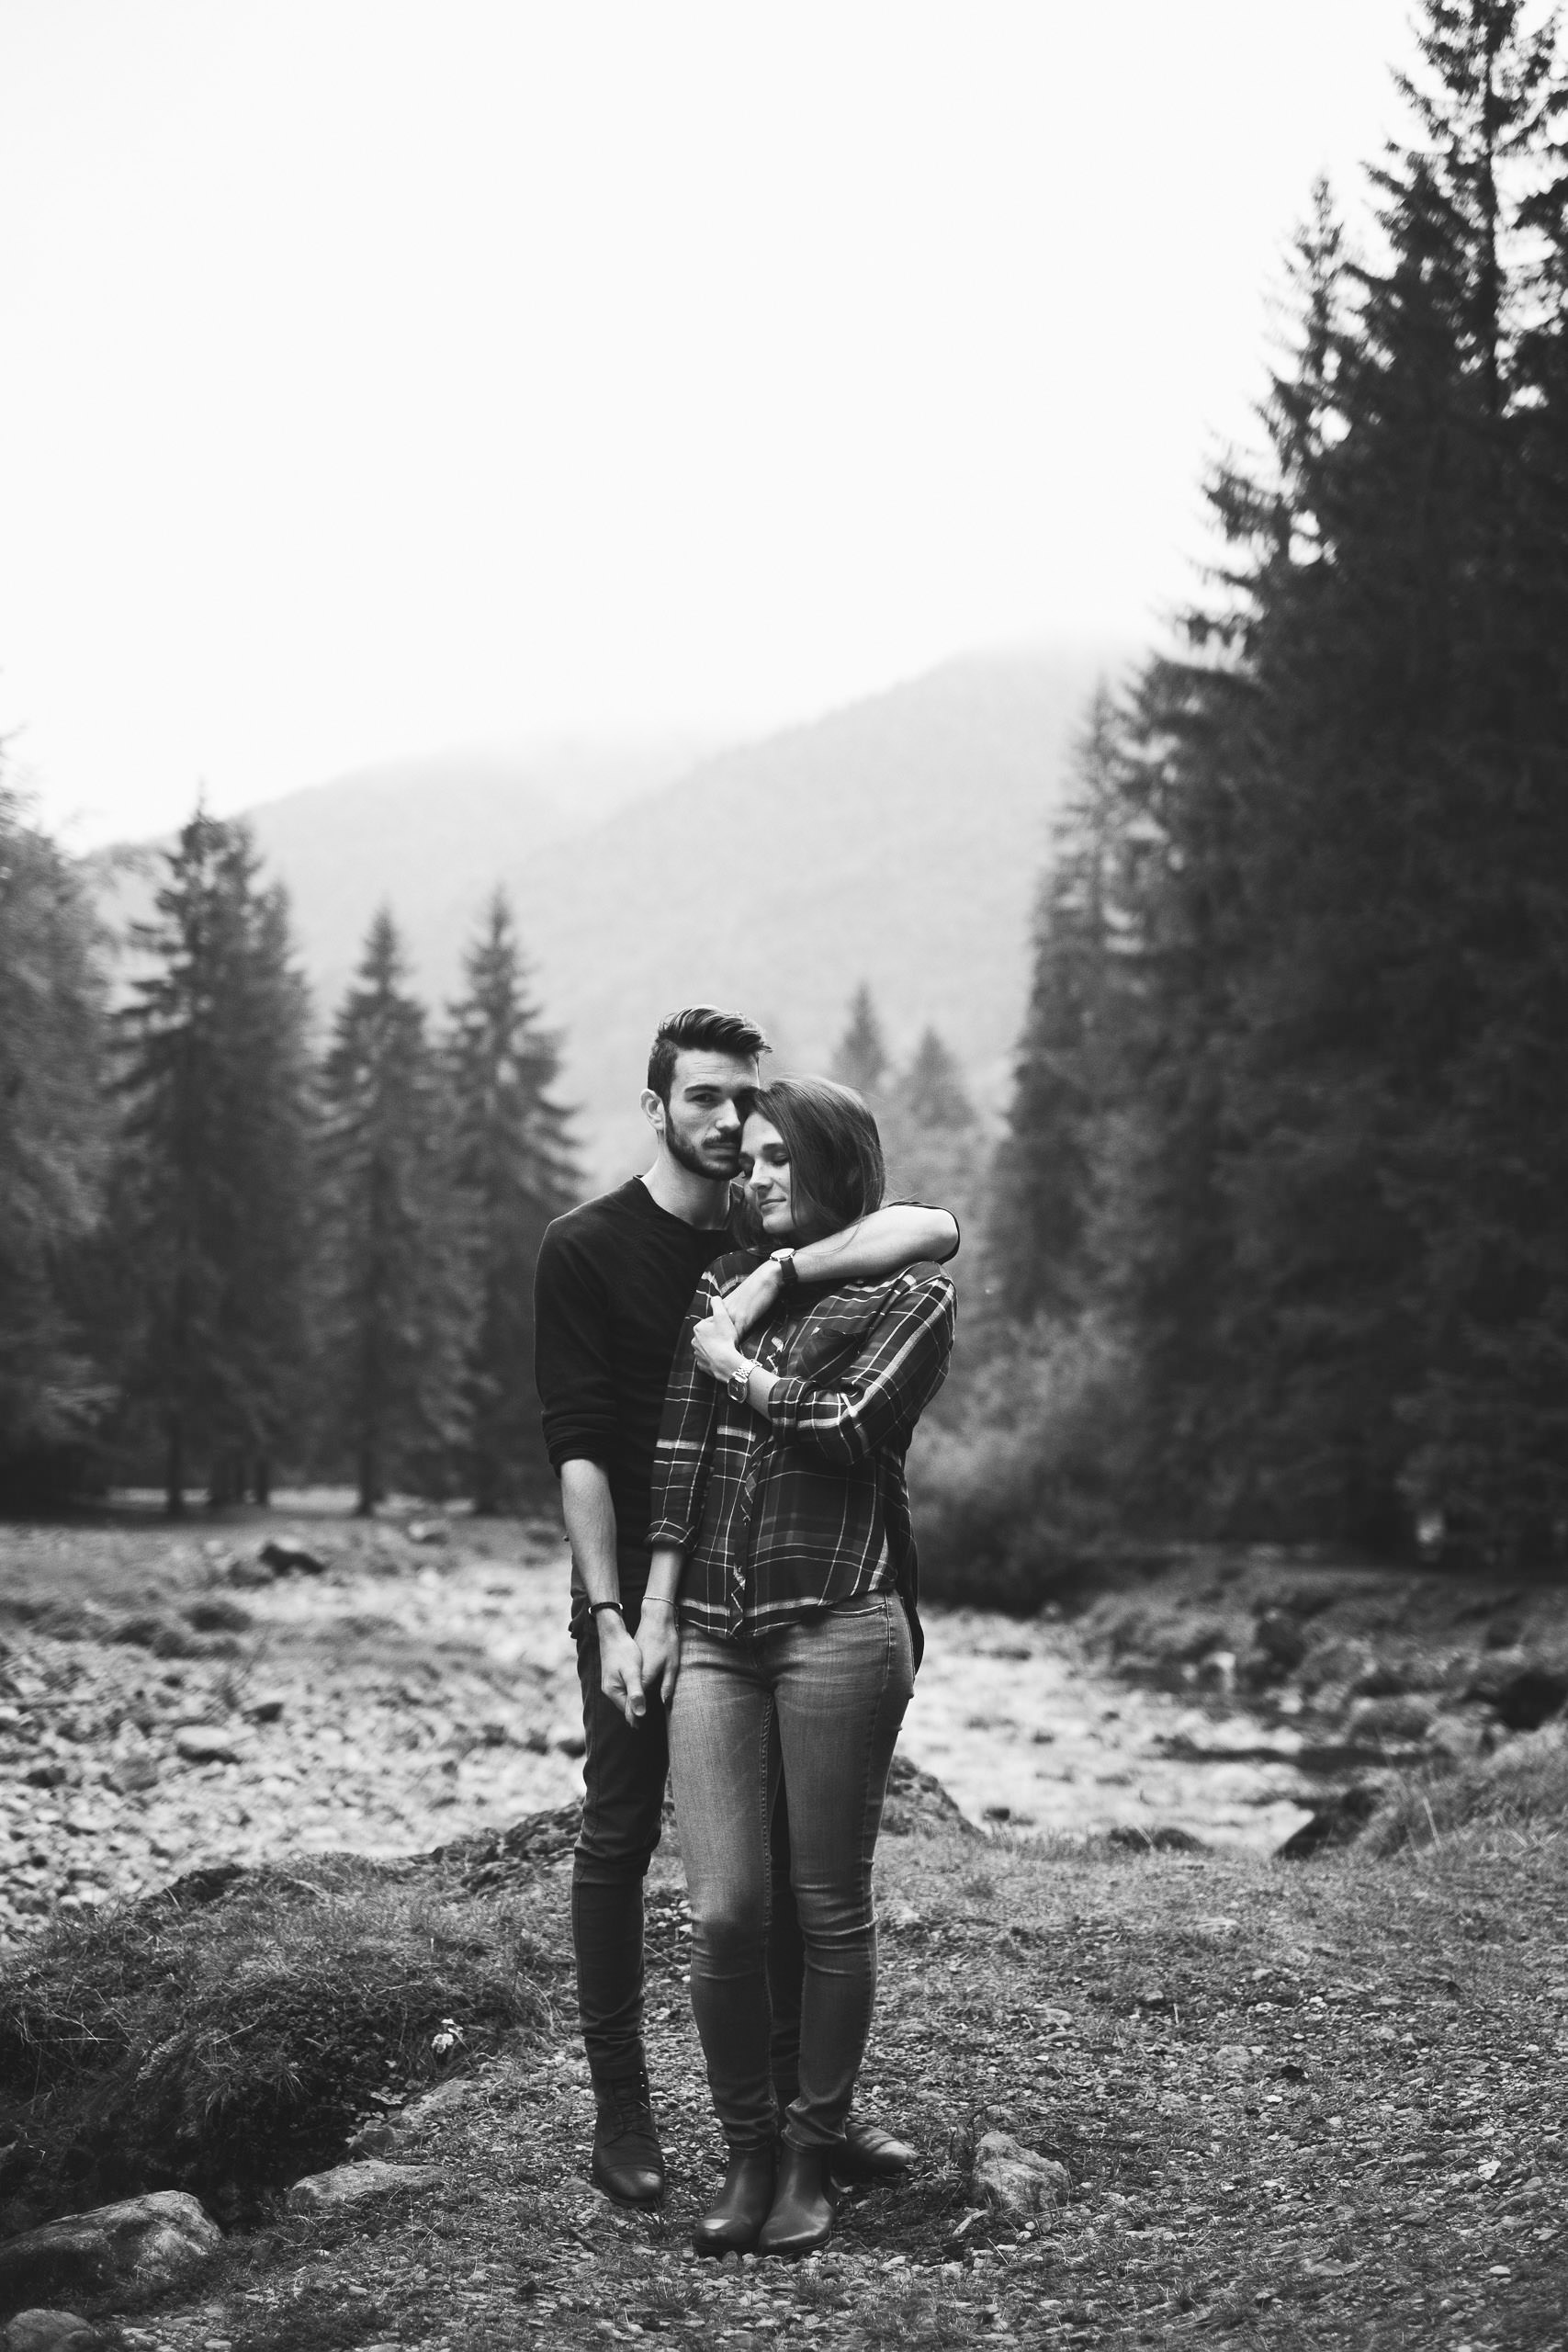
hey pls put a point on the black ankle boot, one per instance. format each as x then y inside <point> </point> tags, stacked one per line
<point>733,2221</point>
<point>801,2217</point>
<point>628,2163</point>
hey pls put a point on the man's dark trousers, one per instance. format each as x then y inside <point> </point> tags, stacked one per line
<point>624,1770</point>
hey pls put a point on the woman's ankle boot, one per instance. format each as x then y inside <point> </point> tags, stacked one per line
<point>801,2218</point>
<point>734,2220</point>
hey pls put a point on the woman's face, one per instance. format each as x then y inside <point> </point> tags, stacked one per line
<point>764,1171</point>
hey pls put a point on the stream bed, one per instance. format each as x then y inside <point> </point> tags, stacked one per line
<point>1024,1730</point>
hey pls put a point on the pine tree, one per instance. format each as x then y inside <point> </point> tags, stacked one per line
<point>53,1136</point>
<point>211,1178</point>
<point>395,1295</point>
<point>931,1135</point>
<point>1070,1081</point>
<point>860,1058</point>
<point>514,1167</point>
<point>932,1093</point>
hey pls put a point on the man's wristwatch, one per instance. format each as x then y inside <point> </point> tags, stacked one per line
<point>737,1380</point>
<point>788,1273</point>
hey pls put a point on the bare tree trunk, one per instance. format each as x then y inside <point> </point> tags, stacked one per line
<point>261,1483</point>
<point>365,1508</point>
<point>175,1468</point>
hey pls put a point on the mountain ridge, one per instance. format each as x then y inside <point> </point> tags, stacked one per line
<point>897,840</point>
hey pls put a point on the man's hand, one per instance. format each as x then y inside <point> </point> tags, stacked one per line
<point>658,1639</point>
<point>620,1667</point>
<point>753,1298</point>
<point>713,1342</point>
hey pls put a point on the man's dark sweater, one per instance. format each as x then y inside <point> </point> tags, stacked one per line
<point>614,1282</point>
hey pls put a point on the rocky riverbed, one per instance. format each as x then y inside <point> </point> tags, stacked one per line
<point>299,1681</point>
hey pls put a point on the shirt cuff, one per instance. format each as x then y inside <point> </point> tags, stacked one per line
<point>668,1535</point>
<point>784,1400</point>
<point>578,1449</point>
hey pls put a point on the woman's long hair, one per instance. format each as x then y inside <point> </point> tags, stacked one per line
<point>836,1170</point>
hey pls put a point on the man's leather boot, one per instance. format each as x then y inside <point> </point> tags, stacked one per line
<point>628,2163</point>
<point>801,2218</point>
<point>866,2153</point>
<point>733,2220</point>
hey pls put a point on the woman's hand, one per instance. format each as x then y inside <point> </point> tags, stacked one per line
<point>713,1342</point>
<point>658,1639</point>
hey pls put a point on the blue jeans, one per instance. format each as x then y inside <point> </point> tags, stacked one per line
<point>820,1701</point>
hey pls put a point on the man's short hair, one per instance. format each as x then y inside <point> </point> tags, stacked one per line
<point>703,1029</point>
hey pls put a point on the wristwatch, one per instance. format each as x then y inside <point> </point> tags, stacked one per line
<point>738,1379</point>
<point>788,1275</point>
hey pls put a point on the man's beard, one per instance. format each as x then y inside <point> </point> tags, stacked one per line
<point>683,1153</point>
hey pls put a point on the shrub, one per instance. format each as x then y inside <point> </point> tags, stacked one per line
<point>225,2036</point>
<point>1025,1485</point>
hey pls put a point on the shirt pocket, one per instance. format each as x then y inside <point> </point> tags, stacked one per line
<point>824,1344</point>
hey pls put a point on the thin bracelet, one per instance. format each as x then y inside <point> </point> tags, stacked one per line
<point>657,1601</point>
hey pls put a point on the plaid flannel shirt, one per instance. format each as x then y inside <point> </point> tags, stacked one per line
<point>783,1514</point>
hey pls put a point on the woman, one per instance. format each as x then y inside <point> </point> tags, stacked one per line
<point>781,1530</point>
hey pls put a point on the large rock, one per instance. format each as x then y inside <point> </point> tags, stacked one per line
<point>325,2192</point>
<point>143,2242</point>
<point>1338,1821</point>
<point>1018,2182</point>
<point>49,2332</point>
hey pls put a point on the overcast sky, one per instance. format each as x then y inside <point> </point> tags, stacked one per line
<point>377,375</point>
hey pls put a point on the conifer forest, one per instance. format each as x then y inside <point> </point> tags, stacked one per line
<point>1272,1240</point>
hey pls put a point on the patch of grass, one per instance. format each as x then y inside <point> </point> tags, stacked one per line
<point>1521,1788</point>
<point>225,2037</point>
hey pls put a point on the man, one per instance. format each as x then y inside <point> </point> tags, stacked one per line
<point>615,1279</point>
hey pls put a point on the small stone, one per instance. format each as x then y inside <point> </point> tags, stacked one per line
<point>206,1744</point>
<point>292,1559</point>
<point>1017,2181</point>
<point>1233,2059</point>
<point>142,2241</point>
<point>268,1708</point>
<point>325,2192</point>
<point>250,1575</point>
<point>429,1530</point>
<point>41,2331</point>
<point>439,2101</point>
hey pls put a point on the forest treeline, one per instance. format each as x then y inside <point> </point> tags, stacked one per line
<point>224,1255</point>
<point>1280,1224</point>
<point>230,1254</point>
<point>1275,1242</point>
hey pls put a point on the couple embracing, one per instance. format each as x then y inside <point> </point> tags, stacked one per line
<point>732,1352</point>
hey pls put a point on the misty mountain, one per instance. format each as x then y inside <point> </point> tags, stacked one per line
<point>897,841</point>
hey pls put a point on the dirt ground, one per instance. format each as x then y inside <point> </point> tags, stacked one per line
<point>1298,2105</point>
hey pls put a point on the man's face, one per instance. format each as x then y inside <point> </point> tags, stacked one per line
<point>702,1126</point>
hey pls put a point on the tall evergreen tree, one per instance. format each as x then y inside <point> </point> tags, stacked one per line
<point>54,1136</point>
<point>393,1281</point>
<point>931,1135</point>
<point>1354,780</point>
<point>1054,1161</point>
<point>515,1166</point>
<point>860,1058</point>
<point>211,1183</point>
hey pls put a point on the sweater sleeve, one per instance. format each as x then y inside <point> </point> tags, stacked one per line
<point>573,1360</point>
<point>686,1437</point>
<point>901,1364</point>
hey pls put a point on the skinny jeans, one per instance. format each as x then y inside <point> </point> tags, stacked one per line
<point>625,1769</point>
<point>817,1703</point>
